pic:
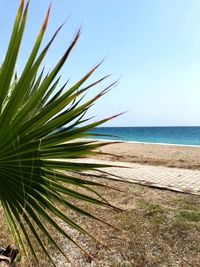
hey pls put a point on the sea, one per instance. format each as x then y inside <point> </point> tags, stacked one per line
<point>164,135</point>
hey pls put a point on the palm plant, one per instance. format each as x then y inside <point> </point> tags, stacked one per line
<point>35,149</point>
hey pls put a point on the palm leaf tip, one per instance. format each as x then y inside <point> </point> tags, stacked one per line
<point>44,25</point>
<point>38,168</point>
<point>21,5</point>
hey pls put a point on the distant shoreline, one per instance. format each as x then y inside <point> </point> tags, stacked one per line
<point>139,142</point>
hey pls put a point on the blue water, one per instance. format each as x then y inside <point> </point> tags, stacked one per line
<point>168,135</point>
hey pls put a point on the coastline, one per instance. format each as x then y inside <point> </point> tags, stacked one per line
<point>139,142</point>
<point>170,155</point>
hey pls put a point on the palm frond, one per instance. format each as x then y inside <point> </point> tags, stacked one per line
<point>36,167</point>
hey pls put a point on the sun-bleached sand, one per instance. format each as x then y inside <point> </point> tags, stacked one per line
<point>153,154</point>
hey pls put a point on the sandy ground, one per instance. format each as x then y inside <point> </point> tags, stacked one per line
<point>154,154</point>
<point>158,227</point>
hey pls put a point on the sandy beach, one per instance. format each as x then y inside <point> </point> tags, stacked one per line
<point>153,154</point>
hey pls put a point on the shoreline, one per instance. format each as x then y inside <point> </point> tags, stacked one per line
<point>140,142</point>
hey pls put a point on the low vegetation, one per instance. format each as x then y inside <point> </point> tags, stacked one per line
<point>157,228</point>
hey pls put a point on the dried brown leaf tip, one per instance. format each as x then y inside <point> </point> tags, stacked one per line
<point>44,25</point>
<point>115,116</point>
<point>77,35</point>
<point>21,5</point>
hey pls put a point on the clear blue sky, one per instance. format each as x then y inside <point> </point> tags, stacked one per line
<point>154,46</point>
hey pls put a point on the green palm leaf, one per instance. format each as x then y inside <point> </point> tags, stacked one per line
<point>36,167</point>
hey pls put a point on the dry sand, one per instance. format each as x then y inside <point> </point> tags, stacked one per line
<point>153,154</point>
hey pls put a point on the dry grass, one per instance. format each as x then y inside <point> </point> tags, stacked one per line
<point>159,228</point>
